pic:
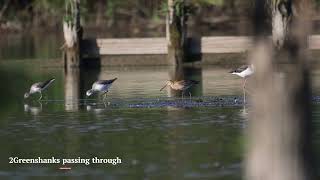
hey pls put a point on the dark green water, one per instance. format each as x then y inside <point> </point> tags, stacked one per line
<point>152,143</point>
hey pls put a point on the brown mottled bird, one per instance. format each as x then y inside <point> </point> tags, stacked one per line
<point>181,85</point>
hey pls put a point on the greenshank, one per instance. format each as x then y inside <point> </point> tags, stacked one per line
<point>101,86</point>
<point>38,88</point>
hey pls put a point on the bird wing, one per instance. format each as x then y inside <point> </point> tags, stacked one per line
<point>239,69</point>
<point>44,85</point>
<point>187,82</point>
<point>194,81</point>
<point>105,82</point>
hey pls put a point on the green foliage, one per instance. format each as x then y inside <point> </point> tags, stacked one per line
<point>209,2</point>
<point>111,7</point>
<point>53,7</point>
<point>179,7</point>
<point>68,19</point>
<point>40,10</point>
<point>317,2</point>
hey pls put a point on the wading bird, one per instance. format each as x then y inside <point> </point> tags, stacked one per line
<point>101,86</point>
<point>38,88</point>
<point>181,85</point>
<point>244,72</point>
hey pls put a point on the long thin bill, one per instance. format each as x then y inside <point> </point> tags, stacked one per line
<point>163,87</point>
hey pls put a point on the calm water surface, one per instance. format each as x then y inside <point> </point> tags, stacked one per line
<point>153,143</point>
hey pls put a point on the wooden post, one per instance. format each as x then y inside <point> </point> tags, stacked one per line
<point>72,89</point>
<point>280,120</point>
<point>72,34</point>
<point>176,31</point>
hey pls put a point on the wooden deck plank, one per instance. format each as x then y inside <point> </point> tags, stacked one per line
<point>136,46</point>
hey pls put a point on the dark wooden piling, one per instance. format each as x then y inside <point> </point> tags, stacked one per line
<point>176,28</point>
<point>72,34</point>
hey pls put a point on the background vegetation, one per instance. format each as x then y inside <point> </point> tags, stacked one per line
<point>140,17</point>
<point>94,12</point>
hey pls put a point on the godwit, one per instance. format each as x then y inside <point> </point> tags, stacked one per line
<point>181,85</point>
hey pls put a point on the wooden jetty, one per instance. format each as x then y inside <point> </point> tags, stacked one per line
<point>94,48</point>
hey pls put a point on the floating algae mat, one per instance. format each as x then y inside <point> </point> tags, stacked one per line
<point>221,101</point>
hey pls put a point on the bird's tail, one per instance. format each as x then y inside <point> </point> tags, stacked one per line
<point>48,82</point>
<point>195,82</point>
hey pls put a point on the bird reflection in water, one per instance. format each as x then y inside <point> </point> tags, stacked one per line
<point>34,110</point>
<point>95,108</point>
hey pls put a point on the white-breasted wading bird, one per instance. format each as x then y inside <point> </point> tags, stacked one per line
<point>38,88</point>
<point>101,86</point>
<point>244,71</point>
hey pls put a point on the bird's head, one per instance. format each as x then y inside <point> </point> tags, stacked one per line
<point>168,83</point>
<point>89,92</point>
<point>26,95</point>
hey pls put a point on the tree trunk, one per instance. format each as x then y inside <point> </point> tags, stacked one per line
<point>176,31</point>
<point>281,16</point>
<point>280,122</point>
<point>4,8</point>
<point>72,34</point>
<point>100,6</point>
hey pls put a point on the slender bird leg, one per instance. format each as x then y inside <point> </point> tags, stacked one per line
<point>190,95</point>
<point>244,96</point>
<point>40,96</point>
<point>105,96</point>
<point>244,85</point>
<point>40,105</point>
